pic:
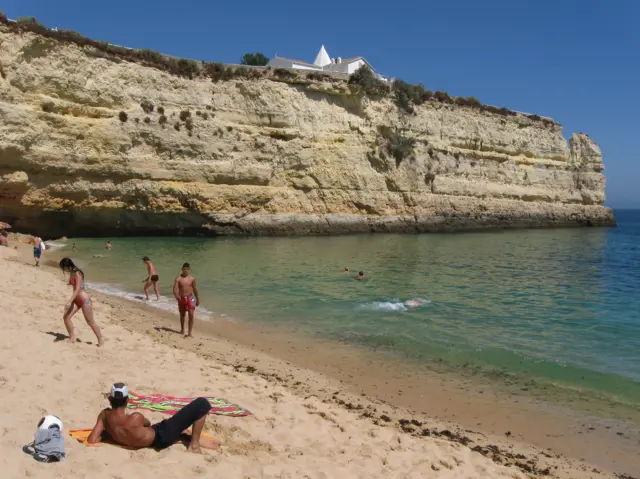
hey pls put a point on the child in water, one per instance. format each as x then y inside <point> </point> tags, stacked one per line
<point>79,300</point>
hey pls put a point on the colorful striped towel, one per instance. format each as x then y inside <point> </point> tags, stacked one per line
<point>171,405</point>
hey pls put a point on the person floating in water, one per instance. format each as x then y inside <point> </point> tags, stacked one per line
<point>152,278</point>
<point>360,276</point>
<point>38,248</point>
<point>184,289</point>
<point>412,303</point>
<point>136,431</point>
<point>108,245</point>
<point>346,269</point>
<point>80,300</point>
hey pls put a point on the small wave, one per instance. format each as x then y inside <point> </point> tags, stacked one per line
<point>396,305</point>
<point>54,245</point>
<point>165,303</point>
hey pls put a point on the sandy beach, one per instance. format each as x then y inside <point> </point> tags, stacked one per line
<point>303,424</point>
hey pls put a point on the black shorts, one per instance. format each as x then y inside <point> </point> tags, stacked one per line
<point>169,431</point>
<point>154,278</point>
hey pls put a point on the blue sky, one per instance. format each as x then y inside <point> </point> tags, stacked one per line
<point>575,61</point>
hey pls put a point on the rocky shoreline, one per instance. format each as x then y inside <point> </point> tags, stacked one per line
<point>124,223</point>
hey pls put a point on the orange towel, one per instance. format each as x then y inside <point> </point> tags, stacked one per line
<point>82,435</point>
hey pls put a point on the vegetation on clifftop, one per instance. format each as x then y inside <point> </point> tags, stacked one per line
<point>254,59</point>
<point>406,96</point>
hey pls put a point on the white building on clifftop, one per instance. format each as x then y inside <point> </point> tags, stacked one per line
<point>324,63</point>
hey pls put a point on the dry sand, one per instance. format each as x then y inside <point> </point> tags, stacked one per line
<point>292,433</point>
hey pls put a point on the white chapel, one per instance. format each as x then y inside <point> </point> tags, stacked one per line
<point>323,62</point>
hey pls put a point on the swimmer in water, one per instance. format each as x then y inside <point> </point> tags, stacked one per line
<point>346,269</point>
<point>360,276</point>
<point>108,245</point>
<point>412,303</point>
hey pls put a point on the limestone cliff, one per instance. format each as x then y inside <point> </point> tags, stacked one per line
<point>82,153</point>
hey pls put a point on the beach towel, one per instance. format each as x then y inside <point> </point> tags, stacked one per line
<point>171,405</point>
<point>82,435</point>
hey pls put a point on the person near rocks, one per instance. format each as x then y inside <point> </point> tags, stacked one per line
<point>136,431</point>
<point>4,240</point>
<point>108,245</point>
<point>79,300</point>
<point>186,293</point>
<point>152,278</point>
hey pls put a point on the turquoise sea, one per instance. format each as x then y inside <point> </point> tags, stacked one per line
<point>560,307</point>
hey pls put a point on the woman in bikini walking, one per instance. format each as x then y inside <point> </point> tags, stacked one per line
<point>80,300</point>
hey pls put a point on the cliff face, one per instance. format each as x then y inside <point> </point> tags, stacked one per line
<point>265,156</point>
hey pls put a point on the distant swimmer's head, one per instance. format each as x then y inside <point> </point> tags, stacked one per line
<point>119,395</point>
<point>360,275</point>
<point>185,268</point>
<point>346,269</point>
<point>145,259</point>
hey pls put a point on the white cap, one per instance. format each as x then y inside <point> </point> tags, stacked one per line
<point>119,390</point>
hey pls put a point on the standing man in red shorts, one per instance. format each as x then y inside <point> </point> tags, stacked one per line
<point>184,289</point>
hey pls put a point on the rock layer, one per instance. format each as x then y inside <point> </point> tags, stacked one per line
<point>260,156</point>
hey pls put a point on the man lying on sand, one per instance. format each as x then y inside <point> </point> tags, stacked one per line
<point>134,430</point>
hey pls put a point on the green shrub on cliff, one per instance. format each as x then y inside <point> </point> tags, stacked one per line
<point>365,80</point>
<point>27,21</point>
<point>123,116</point>
<point>396,144</point>
<point>161,110</point>
<point>162,120</point>
<point>188,68</point>
<point>48,107</point>
<point>254,59</point>
<point>285,74</point>
<point>146,106</point>
<point>184,115</point>
<point>406,95</point>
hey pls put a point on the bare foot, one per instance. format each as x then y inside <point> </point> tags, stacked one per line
<point>209,443</point>
<point>73,340</point>
<point>100,342</point>
<point>188,335</point>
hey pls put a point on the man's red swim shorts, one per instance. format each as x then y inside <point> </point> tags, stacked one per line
<point>187,303</point>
